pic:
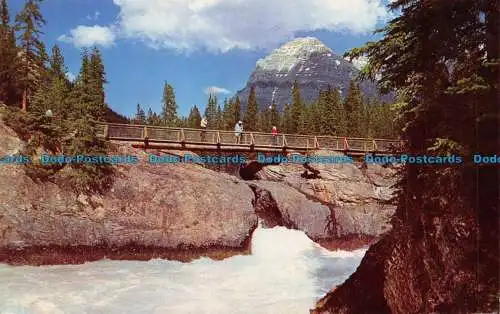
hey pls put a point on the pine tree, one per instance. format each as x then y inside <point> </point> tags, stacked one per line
<point>227,114</point>
<point>442,58</point>
<point>304,125</point>
<point>56,62</point>
<point>169,109</point>
<point>194,118</point>
<point>264,121</point>
<point>297,108</point>
<point>333,117</point>
<point>236,112</point>
<point>274,116</point>
<point>9,89</point>
<point>211,112</point>
<point>33,55</point>
<point>250,119</point>
<point>149,117</point>
<point>287,120</point>
<point>140,115</point>
<point>315,118</point>
<point>81,100</point>
<point>97,79</point>
<point>354,110</point>
<point>220,118</point>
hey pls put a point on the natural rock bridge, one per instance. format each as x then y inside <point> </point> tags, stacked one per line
<point>194,139</point>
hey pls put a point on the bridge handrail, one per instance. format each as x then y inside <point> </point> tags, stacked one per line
<point>181,129</point>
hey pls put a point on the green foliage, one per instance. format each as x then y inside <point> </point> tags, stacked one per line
<point>442,59</point>
<point>9,89</point>
<point>296,110</point>
<point>194,118</point>
<point>153,118</point>
<point>274,118</point>
<point>354,111</point>
<point>250,118</point>
<point>287,119</point>
<point>29,22</point>
<point>211,112</point>
<point>169,110</point>
<point>140,115</point>
<point>332,113</point>
<point>57,67</point>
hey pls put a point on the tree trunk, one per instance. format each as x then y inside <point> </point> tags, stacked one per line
<point>24,106</point>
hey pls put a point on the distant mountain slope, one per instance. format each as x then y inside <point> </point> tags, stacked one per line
<point>114,117</point>
<point>312,64</point>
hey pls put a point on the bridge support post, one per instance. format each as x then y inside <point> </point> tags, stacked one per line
<point>146,138</point>
<point>106,132</point>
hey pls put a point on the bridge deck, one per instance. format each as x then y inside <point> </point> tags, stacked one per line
<point>186,138</point>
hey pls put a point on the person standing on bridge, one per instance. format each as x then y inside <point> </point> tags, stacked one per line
<point>203,125</point>
<point>238,130</point>
<point>274,132</point>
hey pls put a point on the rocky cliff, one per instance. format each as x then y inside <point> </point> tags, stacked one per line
<point>432,261</point>
<point>154,210</point>
<point>312,64</point>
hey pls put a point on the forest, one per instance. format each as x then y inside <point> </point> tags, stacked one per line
<point>353,116</point>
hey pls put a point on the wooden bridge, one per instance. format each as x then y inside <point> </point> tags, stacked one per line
<point>194,139</point>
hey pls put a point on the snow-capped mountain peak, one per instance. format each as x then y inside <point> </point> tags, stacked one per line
<point>286,57</point>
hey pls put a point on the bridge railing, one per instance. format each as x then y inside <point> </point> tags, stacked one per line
<point>130,132</point>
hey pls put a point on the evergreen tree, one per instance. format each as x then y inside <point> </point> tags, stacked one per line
<point>274,116</point>
<point>149,117</point>
<point>194,118</point>
<point>80,100</point>
<point>305,125</point>
<point>354,110</point>
<point>33,55</point>
<point>250,119</point>
<point>315,118</point>
<point>264,121</point>
<point>297,108</point>
<point>220,118</point>
<point>211,112</point>
<point>97,79</point>
<point>56,62</point>
<point>332,113</point>
<point>287,120</point>
<point>140,115</point>
<point>227,115</point>
<point>9,89</point>
<point>442,57</point>
<point>236,112</point>
<point>169,109</point>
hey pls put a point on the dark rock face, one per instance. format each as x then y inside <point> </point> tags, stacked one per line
<point>430,262</point>
<point>312,64</point>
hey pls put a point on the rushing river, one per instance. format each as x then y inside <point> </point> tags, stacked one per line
<point>286,273</point>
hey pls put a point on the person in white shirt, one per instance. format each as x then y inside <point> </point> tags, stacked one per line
<point>238,130</point>
<point>203,125</point>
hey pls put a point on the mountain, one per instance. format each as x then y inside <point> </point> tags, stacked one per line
<point>312,64</point>
<point>114,117</point>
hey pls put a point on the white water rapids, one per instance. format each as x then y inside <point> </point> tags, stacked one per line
<point>286,273</point>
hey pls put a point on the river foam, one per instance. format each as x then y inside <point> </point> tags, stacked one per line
<point>286,273</point>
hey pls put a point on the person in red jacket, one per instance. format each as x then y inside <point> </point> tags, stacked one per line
<point>274,132</point>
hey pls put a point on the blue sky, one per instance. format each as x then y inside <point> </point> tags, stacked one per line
<point>195,44</point>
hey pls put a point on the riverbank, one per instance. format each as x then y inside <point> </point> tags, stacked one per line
<point>183,211</point>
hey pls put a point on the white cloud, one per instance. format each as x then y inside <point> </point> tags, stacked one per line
<point>216,90</point>
<point>222,25</point>
<point>70,76</point>
<point>94,17</point>
<point>87,36</point>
